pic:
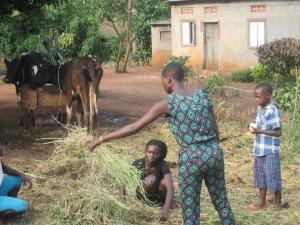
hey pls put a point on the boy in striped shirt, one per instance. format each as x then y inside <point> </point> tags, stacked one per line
<point>266,150</point>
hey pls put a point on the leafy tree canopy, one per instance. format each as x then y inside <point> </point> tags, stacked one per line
<point>26,6</point>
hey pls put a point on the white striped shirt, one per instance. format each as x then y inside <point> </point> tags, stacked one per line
<point>267,118</point>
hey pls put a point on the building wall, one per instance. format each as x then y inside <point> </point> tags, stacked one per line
<point>161,49</point>
<point>282,20</point>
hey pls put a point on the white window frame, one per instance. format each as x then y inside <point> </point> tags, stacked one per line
<point>188,33</point>
<point>256,32</point>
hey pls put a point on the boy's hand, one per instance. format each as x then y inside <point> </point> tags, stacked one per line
<point>26,179</point>
<point>164,215</point>
<point>253,130</point>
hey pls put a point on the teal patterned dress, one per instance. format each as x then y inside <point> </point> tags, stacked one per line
<point>200,156</point>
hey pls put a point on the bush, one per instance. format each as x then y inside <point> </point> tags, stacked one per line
<point>242,76</point>
<point>215,85</point>
<point>281,56</point>
<point>262,74</point>
<point>183,60</point>
<point>285,96</point>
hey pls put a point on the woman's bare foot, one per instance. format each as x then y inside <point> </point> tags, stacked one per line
<point>257,206</point>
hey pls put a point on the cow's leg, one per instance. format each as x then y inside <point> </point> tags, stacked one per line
<point>79,111</point>
<point>97,116</point>
<point>69,113</point>
<point>26,118</point>
<point>69,110</point>
<point>92,105</point>
<point>86,111</point>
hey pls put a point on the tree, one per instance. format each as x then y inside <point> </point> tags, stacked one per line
<point>59,32</point>
<point>24,6</point>
<point>131,20</point>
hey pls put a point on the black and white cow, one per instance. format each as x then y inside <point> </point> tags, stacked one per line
<point>23,69</point>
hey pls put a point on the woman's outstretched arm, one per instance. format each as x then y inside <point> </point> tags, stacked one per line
<point>155,111</point>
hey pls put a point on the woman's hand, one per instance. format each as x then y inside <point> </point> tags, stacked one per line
<point>92,144</point>
<point>164,215</point>
<point>26,179</point>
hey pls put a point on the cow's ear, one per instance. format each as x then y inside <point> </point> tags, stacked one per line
<point>6,61</point>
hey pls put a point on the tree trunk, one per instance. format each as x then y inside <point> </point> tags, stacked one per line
<point>129,40</point>
<point>120,55</point>
<point>128,51</point>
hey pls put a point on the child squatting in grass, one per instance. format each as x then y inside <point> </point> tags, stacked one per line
<point>191,120</point>
<point>266,150</point>
<point>156,175</point>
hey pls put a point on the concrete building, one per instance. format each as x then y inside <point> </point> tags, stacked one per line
<point>161,42</point>
<point>222,35</point>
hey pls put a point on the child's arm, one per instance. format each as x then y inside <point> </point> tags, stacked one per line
<point>156,111</point>
<point>10,171</point>
<point>276,133</point>
<point>169,197</point>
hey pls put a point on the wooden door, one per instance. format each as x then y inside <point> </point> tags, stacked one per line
<point>211,46</point>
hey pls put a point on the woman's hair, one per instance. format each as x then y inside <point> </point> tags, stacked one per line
<point>174,69</point>
<point>161,146</point>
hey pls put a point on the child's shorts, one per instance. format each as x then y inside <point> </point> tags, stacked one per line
<point>267,172</point>
<point>10,203</point>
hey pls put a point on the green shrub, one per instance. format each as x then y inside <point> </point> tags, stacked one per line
<point>183,60</point>
<point>281,56</point>
<point>215,85</point>
<point>285,96</point>
<point>262,74</point>
<point>242,76</point>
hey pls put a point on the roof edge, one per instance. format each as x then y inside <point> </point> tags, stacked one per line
<point>181,2</point>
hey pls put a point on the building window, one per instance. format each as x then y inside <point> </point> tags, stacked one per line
<point>188,33</point>
<point>256,33</point>
<point>258,8</point>
<point>187,10</point>
<point>165,35</point>
<point>212,9</point>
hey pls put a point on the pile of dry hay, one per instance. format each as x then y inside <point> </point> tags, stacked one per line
<point>92,194</point>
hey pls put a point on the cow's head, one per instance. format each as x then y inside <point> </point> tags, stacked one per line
<point>12,70</point>
<point>94,69</point>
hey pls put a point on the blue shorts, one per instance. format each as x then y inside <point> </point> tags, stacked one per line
<point>267,173</point>
<point>10,203</point>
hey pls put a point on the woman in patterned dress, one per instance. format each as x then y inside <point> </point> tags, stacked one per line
<point>192,122</point>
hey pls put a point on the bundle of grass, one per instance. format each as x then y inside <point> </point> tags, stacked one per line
<point>93,196</point>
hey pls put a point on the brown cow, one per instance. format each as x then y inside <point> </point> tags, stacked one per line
<point>81,83</point>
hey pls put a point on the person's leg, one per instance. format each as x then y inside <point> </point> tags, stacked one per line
<point>273,174</point>
<point>10,207</point>
<point>260,181</point>
<point>149,184</point>
<point>215,183</point>
<point>189,190</point>
<point>10,186</point>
